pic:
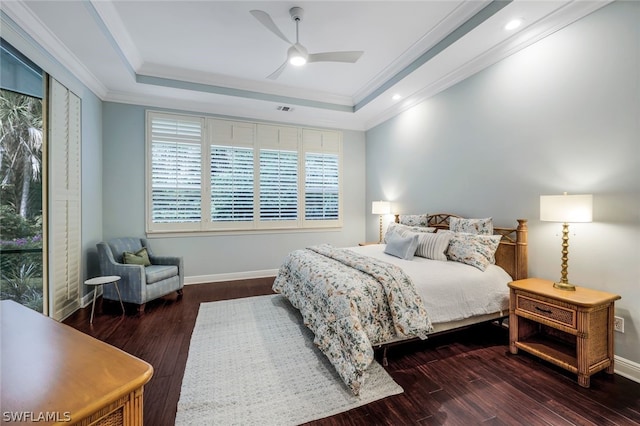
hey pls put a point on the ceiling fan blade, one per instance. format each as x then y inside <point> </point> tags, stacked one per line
<point>266,20</point>
<point>274,75</point>
<point>348,56</point>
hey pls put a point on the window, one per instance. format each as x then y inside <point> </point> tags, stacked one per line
<point>321,186</point>
<point>23,163</point>
<point>322,177</point>
<point>206,174</point>
<point>231,184</point>
<point>278,185</point>
<point>176,171</point>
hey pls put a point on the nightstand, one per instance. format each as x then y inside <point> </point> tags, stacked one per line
<point>571,329</point>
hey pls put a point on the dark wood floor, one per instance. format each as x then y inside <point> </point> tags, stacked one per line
<point>464,378</point>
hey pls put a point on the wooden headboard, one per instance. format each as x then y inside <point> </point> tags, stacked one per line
<point>512,254</point>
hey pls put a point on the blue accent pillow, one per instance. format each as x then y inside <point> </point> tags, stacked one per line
<point>402,247</point>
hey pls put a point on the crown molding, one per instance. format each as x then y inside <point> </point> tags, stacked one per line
<point>240,85</point>
<point>229,106</point>
<point>110,17</point>
<point>544,27</point>
<point>29,27</point>
<point>50,46</point>
<point>461,14</point>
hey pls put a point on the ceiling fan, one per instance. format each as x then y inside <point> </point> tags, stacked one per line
<point>297,54</point>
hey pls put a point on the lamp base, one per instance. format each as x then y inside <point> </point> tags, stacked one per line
<point>565,286</point>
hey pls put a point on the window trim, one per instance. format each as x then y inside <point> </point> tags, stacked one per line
<point>262,136</point>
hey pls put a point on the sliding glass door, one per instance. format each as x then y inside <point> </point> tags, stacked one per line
<point>22,145</point>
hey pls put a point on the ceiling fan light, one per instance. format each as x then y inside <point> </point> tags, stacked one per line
<point>297,55</point>
<point>297,60</point>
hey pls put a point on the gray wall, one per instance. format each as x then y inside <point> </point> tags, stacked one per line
<point>561,115</point>
<point>123,188</point>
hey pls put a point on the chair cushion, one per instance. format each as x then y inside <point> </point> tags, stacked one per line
<point>155,273</point>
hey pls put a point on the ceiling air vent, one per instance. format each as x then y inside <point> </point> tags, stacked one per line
<point>284,108</point>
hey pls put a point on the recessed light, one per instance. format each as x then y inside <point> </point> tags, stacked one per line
<point>396,97</point>
<point>513,24</point>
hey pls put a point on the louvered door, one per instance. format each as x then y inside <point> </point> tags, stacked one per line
<point>64,201</point>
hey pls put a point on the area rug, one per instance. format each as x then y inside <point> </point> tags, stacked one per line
<point>253,362</point>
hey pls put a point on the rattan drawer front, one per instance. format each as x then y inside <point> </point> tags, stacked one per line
<point>116,418</point>
<point>548,311</point>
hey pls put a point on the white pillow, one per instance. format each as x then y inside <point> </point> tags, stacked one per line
<point>402,247</point>
<point>472,226</point>
<point>433,246</point>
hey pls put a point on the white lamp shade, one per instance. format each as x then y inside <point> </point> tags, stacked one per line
<point>566,208</point>
<point>381,207</point>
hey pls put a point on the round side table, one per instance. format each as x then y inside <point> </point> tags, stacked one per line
<point>111,279</point>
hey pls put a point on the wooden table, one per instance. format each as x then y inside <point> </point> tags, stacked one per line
<point>571,329</point>
<point>54,374</point>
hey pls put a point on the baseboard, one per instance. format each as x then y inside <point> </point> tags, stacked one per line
<point>87,299</point>
<point>233,276</point>
<point>626,368</point>
<point>199,279</point>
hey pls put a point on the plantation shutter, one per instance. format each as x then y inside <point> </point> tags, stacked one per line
<point>209,174</point>
<point>322,184</point>
<point>231,184</point>
<point>64,202</point>
<point>321,187</point>
<point>176,171</point>
<point>232,174</point>
<point>278,183</point>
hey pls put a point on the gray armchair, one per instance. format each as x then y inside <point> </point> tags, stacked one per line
<point>139,284</point>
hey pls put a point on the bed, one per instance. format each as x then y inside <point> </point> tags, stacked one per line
<point>357,299</point>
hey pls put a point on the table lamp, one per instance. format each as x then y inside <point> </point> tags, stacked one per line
<point>566,209</point>
<point>381,208</point>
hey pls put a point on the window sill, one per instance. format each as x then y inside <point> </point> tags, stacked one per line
<point>226,232</point>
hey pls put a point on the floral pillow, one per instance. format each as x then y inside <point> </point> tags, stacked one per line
<point>414,219</point>
<point>471,226</point>
<point>402,230</point>
<point>473,249</point>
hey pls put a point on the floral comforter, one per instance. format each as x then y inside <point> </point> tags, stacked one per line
<point>351,303</point>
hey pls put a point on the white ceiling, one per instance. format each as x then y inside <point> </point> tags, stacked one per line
<point>214,56</point>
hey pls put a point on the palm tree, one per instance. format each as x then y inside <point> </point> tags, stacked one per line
<point>20,145</point>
